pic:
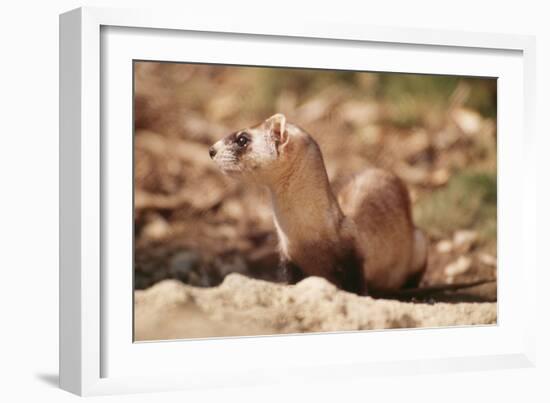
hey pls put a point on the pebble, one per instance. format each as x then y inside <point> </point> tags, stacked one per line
<point>468,120</point>
<point>184,264</point>
<point>231,264</point>
<point>158,228</point>
<point>233,209</point>
<point>459,266</point>
<point>488,259</point>
<point>464,239</point>
<point>440,177</point>
<point>444,246</point>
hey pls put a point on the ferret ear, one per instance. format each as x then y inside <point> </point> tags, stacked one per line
<point>276,124</point>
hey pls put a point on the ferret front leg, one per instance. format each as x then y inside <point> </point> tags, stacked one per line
<point>289,272</point>
<point>350,274</point>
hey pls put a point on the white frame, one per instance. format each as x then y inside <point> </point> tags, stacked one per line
<point>81,301</point>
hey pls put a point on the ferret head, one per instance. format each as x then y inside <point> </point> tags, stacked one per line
<point>257,153</point>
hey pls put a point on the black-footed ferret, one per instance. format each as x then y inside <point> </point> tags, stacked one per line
<point>364,240</point>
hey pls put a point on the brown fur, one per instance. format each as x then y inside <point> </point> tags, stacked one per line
<point>378,204</point>
<point>364,239</point>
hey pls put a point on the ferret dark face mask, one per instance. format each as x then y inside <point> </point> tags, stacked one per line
<point>251,153</point>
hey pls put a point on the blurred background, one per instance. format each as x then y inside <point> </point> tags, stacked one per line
<point>438,133</point>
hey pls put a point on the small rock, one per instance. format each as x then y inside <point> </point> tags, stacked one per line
<point>371,134</point>
<point>315,109</point>
<point>156,229</point>
<point>487,259</point>
<point>444,246</point>
<point>468,120</point>
<point>231,264</point>
<point>233,209</point>
<point>197,280</point>
<point>417,142</point>
<point>206,279</point>
<point>222,106</point>
<point>464,239</point>
<point>416,175</point>
<point>440,177</point>
<point>184,264</point>
<point>445,138</point>
<point>359,113</point>
<point>227,231</point>
<point>459,266</point>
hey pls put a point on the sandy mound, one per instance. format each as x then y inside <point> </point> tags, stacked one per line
<point>243,306</point>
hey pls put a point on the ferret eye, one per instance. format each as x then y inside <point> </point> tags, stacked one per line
<point>242,140</point>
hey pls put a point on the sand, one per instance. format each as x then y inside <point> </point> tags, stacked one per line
<point>243,306</point>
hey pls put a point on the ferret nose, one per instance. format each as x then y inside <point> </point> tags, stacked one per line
<point>212,151</point>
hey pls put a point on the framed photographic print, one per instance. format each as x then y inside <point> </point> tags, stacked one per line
<point>240,204</point>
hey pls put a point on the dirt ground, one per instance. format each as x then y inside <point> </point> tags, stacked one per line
<point>243,306</point>
<point>196,226</point>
